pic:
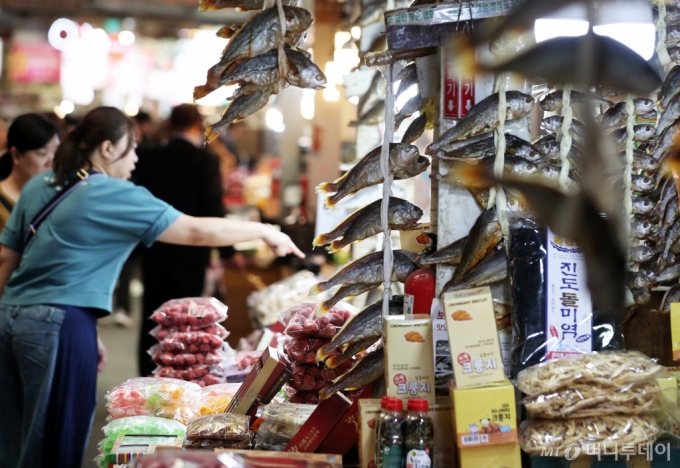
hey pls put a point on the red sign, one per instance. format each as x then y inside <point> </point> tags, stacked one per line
<point>459,94</point>
<point>34,62</point>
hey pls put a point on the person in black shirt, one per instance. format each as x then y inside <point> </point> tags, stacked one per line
<point>187,177</point>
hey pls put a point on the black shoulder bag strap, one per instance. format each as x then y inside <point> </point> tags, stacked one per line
<point>71,184</point>
<point>6,203</point>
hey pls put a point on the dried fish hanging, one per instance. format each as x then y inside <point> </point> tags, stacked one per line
<point>388,259</point>
<point>499,162</point>
<point>661,50</point>
<point>628,171</point>
<point>565,137</point>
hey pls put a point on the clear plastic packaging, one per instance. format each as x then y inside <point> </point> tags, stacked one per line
<point>274,436</point>
<point>267,303</point>
<point>304,321</point>
<point>212,444</point>
<point>147,396</point>
<point>185,359</point>
<point>192,342</point>
<point>190,374</point>
<point>196,312</point>
<point>604,433</point>
<point>225,426</point>
<point>608,370</point>
<point>148,425</point>
<point>175,458</point>
<point>160,332</point>
<point>586,400</point>
<point>287,413</point>
<point>216,398</point>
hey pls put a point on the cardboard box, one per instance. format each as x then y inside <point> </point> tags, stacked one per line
<point>443,371</point>
<point>409,358</point>
<point>345,433</point>
<point>485,416</point>
<point>442,419</point>
<point>473,338</point>
<point>320,423</point>
<point>369,410</point>
<point>266,378</point>
<point>413,239</point>
<point>495,456</point>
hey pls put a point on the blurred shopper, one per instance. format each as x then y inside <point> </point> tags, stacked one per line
<point>145,129</point>
<point>31,143</point>
<point>57,279</point>
<point>187,177</point>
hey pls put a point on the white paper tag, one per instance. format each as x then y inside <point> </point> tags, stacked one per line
<point>409,300</point>
<point>569,324</point>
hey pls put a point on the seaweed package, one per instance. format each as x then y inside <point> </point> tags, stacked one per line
<point>553,314</point>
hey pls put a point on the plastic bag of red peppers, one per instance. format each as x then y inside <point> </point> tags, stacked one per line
<point>191,340</point>
<point>306,332</point>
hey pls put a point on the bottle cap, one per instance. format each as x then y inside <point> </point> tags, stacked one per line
<point>396,404</point>
<point>384,403</point>
<point>418,404</point>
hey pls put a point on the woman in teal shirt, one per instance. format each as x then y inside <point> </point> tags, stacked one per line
<point>56,285</point>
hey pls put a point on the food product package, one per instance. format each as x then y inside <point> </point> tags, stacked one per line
<point>148,425</point>
<point>182,359</point>
<point>201,375</point>
<point>212,444</point>
<point>225,426</point>
<point>237,365</point>
<point>153,396</point>
<point>192,342</point>
<point>160,332</point>
<point>287,413</point>
<point>174,458</point>
<point>610,370</point>
<point>553,315</point>
<point>587,400</point>
<point>606,433</point>
<point>216,398</point>
<point>274,436</point>
<point>304,321</point>
<point>195,312</point>
<point>264,305</point>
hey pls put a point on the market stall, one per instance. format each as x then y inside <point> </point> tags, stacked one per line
<point>500,330</point>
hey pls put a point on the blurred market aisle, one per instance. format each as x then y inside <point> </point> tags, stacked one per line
<point>121,344</point>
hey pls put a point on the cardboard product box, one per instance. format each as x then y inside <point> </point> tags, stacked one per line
<point>495,456</point>
<point>444,448</point>
<point>473,338</point>
<point>265,459</point>
<point>345,434</point>
<point>443,370</point>
<point>414,239</point>
<point>484,416</point>
<point>320,424</point>
<point>409,358</point>
<point>266,378</point>
<point>369,410</point>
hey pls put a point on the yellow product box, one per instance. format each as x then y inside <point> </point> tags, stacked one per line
<point>414,239</point>
<point>484,416</point>
<point>496,456</point>
<point>369,410</point>
<point>669,393</point>
<point>473,338</point>
<point>409,357</point>
<point>675,330</point>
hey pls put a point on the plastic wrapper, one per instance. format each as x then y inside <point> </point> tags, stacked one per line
<point>192,342</point>
<point>174,459</point>
<point>147,425</point>
<point>606,433</point>
<point>612,370</point>
<point>216,398</point>
<point>586,400</point>
<point>146,396</point>
<point>528,256</point>
<point>160,332</point>
<point>274,436</point>
<point>287,413</point>
<point>267,303</point>
<point>185,359</point>
<point>225,426</point>
<point>303,321</point>
<point>212,444</point>
<point>196,374</point>
<point>196,312</point>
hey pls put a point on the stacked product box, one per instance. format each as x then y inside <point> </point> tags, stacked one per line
<point>484,408</point>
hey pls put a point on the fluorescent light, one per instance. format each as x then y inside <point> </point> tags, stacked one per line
<point>356,32</point>
<point>341,38</point>
<point>549,28</point>
<point>639,37</point>
<point>131,109</point>
<point>273,118</point>
<point>307,104</point>
<point>354,100</point>
<point>67,107</point>
<point>331,94</point>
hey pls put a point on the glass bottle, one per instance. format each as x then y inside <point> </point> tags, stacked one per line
<point>418,435</point>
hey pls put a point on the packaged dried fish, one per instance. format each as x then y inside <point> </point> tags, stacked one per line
<point>612,370</point>
<point>587,400</point>
<point>287,413</point>
<point>607,433</point>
